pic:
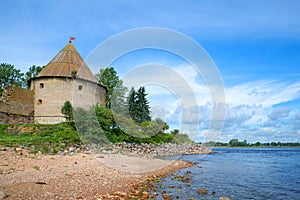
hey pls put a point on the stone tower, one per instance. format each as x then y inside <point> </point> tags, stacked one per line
<point>65,78</point>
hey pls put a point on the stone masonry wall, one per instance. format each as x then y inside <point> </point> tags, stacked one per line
<point>51,94</point>
<point>87,94</point>
<point>16,105</point>
<point>6,118</point>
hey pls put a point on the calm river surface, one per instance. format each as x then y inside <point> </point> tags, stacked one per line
<point>238,173</point>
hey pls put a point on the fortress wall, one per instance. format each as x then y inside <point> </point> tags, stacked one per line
<point>51,94</point>
<point>8,118</point>
<point>87,94</point>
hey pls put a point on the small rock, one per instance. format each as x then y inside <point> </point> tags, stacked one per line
<point>3,195</point>
<point>40,183</point>
<point>71,149</point>
<point>165,196</point>
<point>63,153</point>
<point>224,198</point>
<point>202,191</point>
<point>18,149</point>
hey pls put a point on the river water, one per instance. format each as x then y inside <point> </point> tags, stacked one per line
<point>237,173</point>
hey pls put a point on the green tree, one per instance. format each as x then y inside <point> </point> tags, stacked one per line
<point>142,106</point>
<point>115,89</point>
<point>243,143</point>
<point>138,105</point>
<point>175,132</point>
<point>258,144</point>
<point>151,128</point>
<point>164,126</point>
<point>88,126</point>
<point>67,111</point>
<point>9,75</point>
<point>118,103</point>
<point>105,118</point>
<point>73,74</point>
<point>33,71</point>
<point>131,101</point>
<point>234,142</point>
<point>273,144</point>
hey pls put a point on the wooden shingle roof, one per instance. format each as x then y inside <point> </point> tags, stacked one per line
<point>66,62</point>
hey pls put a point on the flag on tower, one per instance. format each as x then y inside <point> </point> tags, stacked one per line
<point>71,38</point>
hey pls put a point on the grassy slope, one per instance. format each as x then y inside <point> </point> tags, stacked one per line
<point>41,137</point>
<point>51,138</point>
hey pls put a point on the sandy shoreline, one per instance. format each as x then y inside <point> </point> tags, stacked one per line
<point>77,176</point>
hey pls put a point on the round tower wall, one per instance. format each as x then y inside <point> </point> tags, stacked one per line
<point>52,92</point>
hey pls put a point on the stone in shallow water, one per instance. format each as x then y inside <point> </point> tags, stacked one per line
<point>202,191</point>
<point>224,198</point>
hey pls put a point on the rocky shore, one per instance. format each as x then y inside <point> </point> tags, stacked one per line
<point>129,149</point>
<point>114,171</point>
<point>154,151</point>
<point>78,175</point>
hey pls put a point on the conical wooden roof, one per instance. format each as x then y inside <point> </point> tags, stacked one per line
<point>65,62</point>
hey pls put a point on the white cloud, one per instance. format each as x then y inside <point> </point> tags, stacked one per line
<point>250,112</point>
<point>250,107</point>
<point>266,93</point>
<point>297,121</point>
<point>258,101</point>
<point>279,113</point>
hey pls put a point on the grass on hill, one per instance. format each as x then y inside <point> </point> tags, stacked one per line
<point>53,137</point>
<point>40,137</point>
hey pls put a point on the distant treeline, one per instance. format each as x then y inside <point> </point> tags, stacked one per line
<point>237,143</point>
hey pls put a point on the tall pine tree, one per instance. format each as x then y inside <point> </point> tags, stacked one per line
<point>143,106</point>
<point>138,105</point>
<point>131,101</point>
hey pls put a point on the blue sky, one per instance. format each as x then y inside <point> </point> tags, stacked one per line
<point>255,45</point>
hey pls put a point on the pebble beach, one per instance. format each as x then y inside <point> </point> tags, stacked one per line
<point>116,172</point>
